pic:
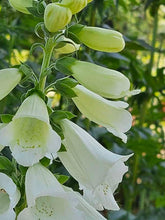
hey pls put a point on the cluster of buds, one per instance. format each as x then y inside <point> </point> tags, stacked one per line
<point>31,136</point>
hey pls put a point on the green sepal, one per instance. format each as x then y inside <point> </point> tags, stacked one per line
<point>65,85</point>
<point>35,90</point>
<point>64,64</point>
<point>58,115</point>
<point>6,118</point>
<point>76,28</point>
<point>27,73</point>
<point>45,161</point>
<point>38,8</point>
<point>62,178</point>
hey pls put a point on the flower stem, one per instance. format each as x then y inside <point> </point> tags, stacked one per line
<point>49,46</point>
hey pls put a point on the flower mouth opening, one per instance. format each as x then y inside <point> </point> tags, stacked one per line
<point>4,201</point>
<point>30,133</point>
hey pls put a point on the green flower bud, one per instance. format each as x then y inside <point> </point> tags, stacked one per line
<point>100,39</point>
<point>74,5</point>
<point>56,17</point>
<point>89,1</point>
<point>21,5</point>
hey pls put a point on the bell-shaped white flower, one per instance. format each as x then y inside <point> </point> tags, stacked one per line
<point>103,81</point>
<point>49,200</point>
<point>9,197</point>
<point>97,170</point>
<point>9,78</point>
<point>29,135</point>
<point>110,114</point>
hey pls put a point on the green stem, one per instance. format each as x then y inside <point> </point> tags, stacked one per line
<point>49,46</point>
<point>154,35</point>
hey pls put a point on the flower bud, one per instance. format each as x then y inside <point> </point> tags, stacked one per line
<point>100,39</point>
<point>56,17</point>
<point>88,1</point>
<point>21,5</point>
<point>74,5</point>
<point>9,78</point>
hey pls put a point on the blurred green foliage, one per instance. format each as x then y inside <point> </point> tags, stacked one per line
<point>142,22</point>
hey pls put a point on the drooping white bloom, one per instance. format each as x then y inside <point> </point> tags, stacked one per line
<point>49,200</point>
<point>9,197</point>
<point>103,81</point>
<point>29,134</point>
<point>97,170</point>
<point>110,114</point>
<point>9,78</point>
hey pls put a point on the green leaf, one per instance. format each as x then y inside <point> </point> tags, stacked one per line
<point>62,178</point>
<point>6,118</point>
<point>59,115</point>
<point>6,164</point>
<point>64,64</point>
<point>65,85</point>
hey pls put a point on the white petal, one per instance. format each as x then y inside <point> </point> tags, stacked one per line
<point>106,113</point>
<point>89,212</point>
<point>9,78</point>
<point>53,144</point>
<point>103,81</point>
<point>49,207</point>
<point>85,155</point>
<point>33,107</point>
<point>29,140</point>
<point>9,215</point>
<point>40,182</point>
<point>9,197</point>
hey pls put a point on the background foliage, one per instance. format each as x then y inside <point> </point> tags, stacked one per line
<point>142,22</point>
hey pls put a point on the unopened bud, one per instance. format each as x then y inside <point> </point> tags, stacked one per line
<point>56,17</point>
<point>74,5</point>
<point>100,39</point>
<point>21,5</point>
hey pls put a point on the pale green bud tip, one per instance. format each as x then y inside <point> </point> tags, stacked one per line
<point>21,5</point>
<point>9,78</point>
<point>56,17</point>
<point>74,5</point>
<point>101,39</point>
<point>64,65</point>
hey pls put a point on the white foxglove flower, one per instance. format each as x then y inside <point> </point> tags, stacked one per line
<point>48,199</point>
<point>103,81</point>
<point>97,170</point>
<point>110,114</point>
<point>9,197</point>
<point>9,78</point>
<point>29,135</point>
